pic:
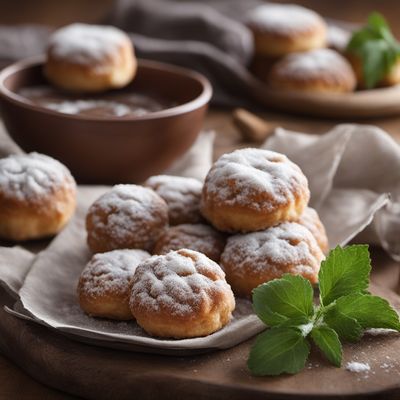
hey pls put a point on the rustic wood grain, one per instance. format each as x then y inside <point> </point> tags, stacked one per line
<point>16,384</point>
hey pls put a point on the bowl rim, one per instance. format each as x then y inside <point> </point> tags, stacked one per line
<point>202,99</point>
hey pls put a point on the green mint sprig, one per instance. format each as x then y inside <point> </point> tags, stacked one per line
<point>377,48</point>
<point>345,310</point>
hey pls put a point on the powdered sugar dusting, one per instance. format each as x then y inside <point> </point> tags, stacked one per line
<point>314,63</point>
<point>180,282</point>
<point>127,210</point>
<point>284,18</point>
<point>181,194</point>
<point>86,44</point>
<point>111,272</point>
<point>199,237</point>
<point>260,179</point>
<point>310,219</point>
<point>75,316</point>
<point>30,177</point>
<point>288,244</point>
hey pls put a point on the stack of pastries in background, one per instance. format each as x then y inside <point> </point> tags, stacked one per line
<point>248,223</point>
<point>291,51</point>
<point>296,50</point>
<point>84,58</point>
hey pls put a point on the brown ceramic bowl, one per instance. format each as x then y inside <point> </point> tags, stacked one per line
<point>108,150</point>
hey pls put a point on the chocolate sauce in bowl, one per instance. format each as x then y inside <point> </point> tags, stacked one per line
<point>112,104</point>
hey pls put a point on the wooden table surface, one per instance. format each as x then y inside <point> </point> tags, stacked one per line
<point>14,383</point>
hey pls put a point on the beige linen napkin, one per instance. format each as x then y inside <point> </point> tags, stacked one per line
<point>7,145</point>
<point>15,263</point>
<point>350,170</point>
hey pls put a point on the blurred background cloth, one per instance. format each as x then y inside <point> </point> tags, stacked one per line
<point>194,35</point>
<point>205,35</point>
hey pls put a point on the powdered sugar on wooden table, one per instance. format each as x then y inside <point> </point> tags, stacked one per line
<point>73,314</point>
<point>237,177</point>
<point>86,44</point>
<point>177,282</point>
<point>283,245</point>
<point>30,177</point>
<point>283,18</point>
<point>355,366</point>
<point>111,271</point>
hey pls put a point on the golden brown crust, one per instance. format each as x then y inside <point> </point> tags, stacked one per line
<point>321,70</point>
<point>31,207</point>
<point>110,306</point>
<point>251,189</point>
<point>310,219</point>
<point>105,283</point>
<point>181,294</point>
<point>21,221</point>
<point>198,237</point>
<point>273,45</point>
<point>182,196</point>
<point>254,258</point>
<point>126,217</point>
<point>106,71</point>
<point>280,29</point>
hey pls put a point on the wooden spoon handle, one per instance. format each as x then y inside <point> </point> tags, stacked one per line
<point>251,127</point>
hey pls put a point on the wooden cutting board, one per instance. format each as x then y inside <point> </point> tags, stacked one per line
<point>100,373</point>
<point>380,102</point>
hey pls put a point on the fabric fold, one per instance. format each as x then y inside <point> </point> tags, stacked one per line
<point>351,169</point>
<point>15,263</point>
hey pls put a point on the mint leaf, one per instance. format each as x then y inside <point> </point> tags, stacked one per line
<point>279,350</point>
<point>287,298</point>
<point>377,48</point>
<point>375,57</point>
<point>346,327</point>
<point>346,309</point>
<point>369,311</point>
<point>328,342</point>
<point>294,323</point>
<point>379,28</point>
<point>376,21</point>
<point>345,271</point>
